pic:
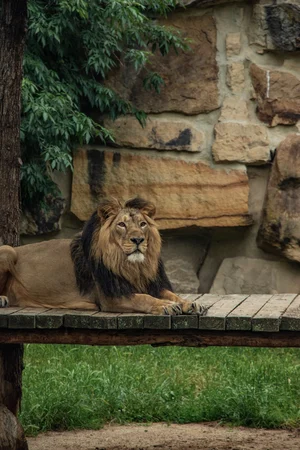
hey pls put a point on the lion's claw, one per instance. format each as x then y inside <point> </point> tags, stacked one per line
<point>4,302</point>
<point>172,309</point>
<point>177,309</point>
<point>194,308</point>
<point>201,310</point>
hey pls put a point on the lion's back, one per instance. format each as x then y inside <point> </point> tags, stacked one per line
<point>46,268</point>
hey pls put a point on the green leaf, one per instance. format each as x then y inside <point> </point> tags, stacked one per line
<point>72,46</point>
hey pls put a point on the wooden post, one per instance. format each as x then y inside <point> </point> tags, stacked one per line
<point>13,16</point>
<point>11,366</point>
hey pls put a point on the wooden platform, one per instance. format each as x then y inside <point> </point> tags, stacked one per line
<point>242,320</point>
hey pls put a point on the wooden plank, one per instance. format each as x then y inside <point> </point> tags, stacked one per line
<point>5,312</point>
<point>290,320</point>
<point>104,321</point>
<point>215,318</point>
<point>53,318</point>
<point>78,318</point>
<point>241,317</point>
<point>131,321</point>
<point>189,297</point>
<point>207,301</point>
<point>269,317</point>
<point>183,322</point>
<point>24,318</point>
<point>152,322</point>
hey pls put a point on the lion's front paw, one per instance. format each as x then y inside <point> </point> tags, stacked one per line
<point>194,308</point>
<point>172,310</point>
<point>4,302</point>
<point>167,308</point>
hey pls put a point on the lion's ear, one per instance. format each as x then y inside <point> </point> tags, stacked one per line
<point>149,209</point>
<point>144,206</point>
<point>108,208</point>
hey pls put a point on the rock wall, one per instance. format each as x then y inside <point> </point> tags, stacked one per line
<point>209,147</point>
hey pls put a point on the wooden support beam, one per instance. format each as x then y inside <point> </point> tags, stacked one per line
<point>184,338</point>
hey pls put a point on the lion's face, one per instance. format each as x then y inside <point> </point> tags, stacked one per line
<point>130,230</point>
<point>128,241</point>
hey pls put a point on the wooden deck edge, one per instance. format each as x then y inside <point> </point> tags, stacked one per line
<point>184,338</point>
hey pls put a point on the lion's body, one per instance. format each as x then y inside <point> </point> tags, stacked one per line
<point>113,265</point>
<point>44,276</point>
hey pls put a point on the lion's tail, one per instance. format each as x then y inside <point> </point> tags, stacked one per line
<point>8,259</point>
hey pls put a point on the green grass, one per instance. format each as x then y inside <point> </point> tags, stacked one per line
<point>66,387</point>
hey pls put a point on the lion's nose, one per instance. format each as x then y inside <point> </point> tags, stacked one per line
<point>137,241</point>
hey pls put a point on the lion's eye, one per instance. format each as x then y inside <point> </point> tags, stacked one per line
<point>143,224</point>
<point>122,225</point>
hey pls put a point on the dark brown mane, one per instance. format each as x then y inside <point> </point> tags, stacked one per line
<point>136,203</point>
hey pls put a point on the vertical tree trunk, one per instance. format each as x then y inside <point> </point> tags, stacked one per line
<point>13,15</point>
<point>12,37</point>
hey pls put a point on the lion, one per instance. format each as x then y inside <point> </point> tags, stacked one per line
<point>113,265</point>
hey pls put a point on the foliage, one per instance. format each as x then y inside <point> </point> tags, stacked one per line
<point>72,45</point>
<point>67,387</point>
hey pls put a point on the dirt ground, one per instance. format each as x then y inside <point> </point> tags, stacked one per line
<point>168,437</point>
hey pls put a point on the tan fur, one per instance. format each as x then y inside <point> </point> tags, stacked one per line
<point>43,274</point>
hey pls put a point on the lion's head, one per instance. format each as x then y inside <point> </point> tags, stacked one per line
<point>122,241</point>
<point>128,234</point>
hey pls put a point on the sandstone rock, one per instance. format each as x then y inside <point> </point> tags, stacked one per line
<point>186,193</point>
<point>233,44</point>
<point>244,143</point>
<point>278,96</point>
<point>276,26</point>
<point>280,228</point>
<point>159,134</point>
<point>191,78</point>
<point>234,109</point>
<point>41,221</point>
<point>256,276</point>
<point>183,255</point>
<point>259,32</point>
<point>182,276</point>
<point>233,242</point>
<point>236,76</point>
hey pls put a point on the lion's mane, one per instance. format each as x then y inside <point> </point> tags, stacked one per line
<point>96,261</point>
